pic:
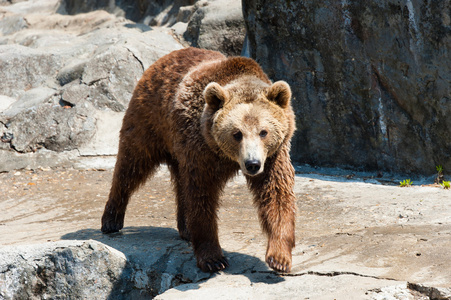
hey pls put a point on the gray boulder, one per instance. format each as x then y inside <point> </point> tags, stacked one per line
<point>30,99</point>
<point>69,269</point>
<point>370,83</point>
<point>215,28</point>
<point>56,127</point>
<point>12,24</point>
<point>24,68</point>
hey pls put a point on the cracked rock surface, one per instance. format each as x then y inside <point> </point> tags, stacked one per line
<point>64,77</point>
<point>354,240</point>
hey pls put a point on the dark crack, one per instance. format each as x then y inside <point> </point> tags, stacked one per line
<point>94,81</point>
<point>136,57</point>
<point>326,274</point>
<point>432,292</point>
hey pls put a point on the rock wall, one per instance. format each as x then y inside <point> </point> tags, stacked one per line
<point>371,80</point>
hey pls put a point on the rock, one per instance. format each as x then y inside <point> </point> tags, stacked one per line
<point>112,84</point>
<point>215,25</point>
<point>43,158</point>
<point>88,269</point>
<point>46,7</point>
<point>215,28</point>
<point>431,292</point>
<point>5,102</point>
<point>370,87</point>
<point>51,125</point>
<point>12,24</point>
<point>179,29</point>
<point>81,269</point>
<point>154,13</point>
<point>185,13</point>
<point>171,12</point>
<point>70,72</point>
<point>350,242</point>
<point>75,94</point>
<point>24,68</point>
<point>29,100</point>
<point>67,73</point>
<point>306,286</point>
<point>105,140</point>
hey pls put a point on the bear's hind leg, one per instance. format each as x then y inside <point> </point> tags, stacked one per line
<point>180,199</point>
<point>131,170</point>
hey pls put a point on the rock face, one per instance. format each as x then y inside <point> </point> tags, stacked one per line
<point>370,83</point>
<point>210,24</point>
<point>68,79</point>
<point>153,13</point>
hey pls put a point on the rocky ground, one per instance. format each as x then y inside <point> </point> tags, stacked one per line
<point>356,239</point>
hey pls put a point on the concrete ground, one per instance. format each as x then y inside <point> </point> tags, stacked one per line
<point>354,239</point>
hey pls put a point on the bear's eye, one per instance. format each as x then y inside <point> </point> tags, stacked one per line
<point>238,136</point>
<point>263,133</point>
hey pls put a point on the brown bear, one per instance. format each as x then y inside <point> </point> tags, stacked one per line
<point>207,117</point>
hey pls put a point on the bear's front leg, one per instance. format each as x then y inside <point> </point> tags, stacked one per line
<point>201,218</point>
<point>276,203</point>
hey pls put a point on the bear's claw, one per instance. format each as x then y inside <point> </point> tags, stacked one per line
<point>214,266</point>
<point>277,266</point>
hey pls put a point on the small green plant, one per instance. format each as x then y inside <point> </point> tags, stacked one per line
<point>446,185</point>
<point>405,183</point>
<point>440,178</point>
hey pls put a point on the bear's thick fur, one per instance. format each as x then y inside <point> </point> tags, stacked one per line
<point>207,116</point>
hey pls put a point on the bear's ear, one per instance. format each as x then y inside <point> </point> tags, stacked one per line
<point>280,93</point>
<point>215,95</point>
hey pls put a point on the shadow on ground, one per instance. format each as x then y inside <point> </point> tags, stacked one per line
<point>158,259</point>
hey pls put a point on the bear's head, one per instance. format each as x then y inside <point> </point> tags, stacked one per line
<point>247,120</point>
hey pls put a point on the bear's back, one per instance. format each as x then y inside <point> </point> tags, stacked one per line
<point>153,98</point>
<point>161,79</point>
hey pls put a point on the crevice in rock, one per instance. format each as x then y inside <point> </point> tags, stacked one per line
<point>93,81</point>
<point>7,269</point>
<point>7,138</point>
<point>327,274</point>
<point>66,104</point>
<point>432,292</point>
<point>136,57</point>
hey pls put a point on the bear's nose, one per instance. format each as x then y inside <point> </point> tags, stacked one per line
<point>252,166</point>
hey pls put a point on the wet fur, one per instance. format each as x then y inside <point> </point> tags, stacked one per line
<point>168,122</point>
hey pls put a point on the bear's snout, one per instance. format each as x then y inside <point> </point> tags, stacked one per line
<point>252,166</point>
